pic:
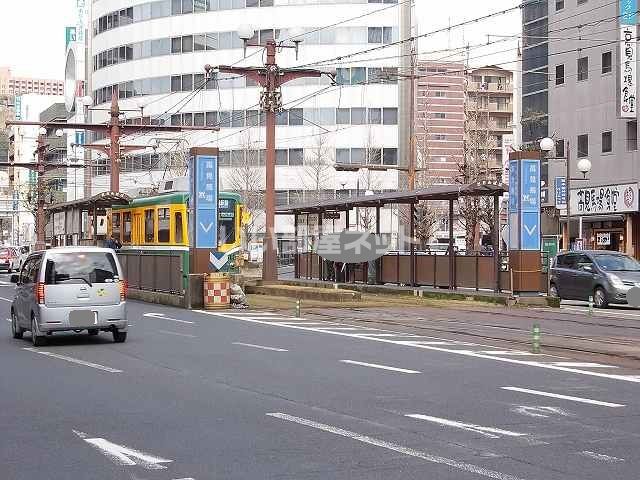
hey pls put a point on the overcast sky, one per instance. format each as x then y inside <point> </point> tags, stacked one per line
<point>32,33</point>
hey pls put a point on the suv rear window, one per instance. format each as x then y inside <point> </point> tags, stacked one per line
<point>80,267</point>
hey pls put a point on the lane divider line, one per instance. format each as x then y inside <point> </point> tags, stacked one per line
<point>490,432</point>
<point>161,316</point>
<point>601,457</point>
<point>564,397</point>
<point>466,467</point>
<point>261,347</point>
<point>167,332</point>
<point>6,299</point>
<point>381,367</point>
<point>77,361</point>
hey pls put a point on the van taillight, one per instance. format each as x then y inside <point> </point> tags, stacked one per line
<point>122,284</point>
<point>40,292</point>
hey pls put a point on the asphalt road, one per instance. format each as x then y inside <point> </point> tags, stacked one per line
<point>255,395</point>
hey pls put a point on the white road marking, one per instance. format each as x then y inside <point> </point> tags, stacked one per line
<point>74,360</point>
<point>177,334</point>
<point>540,412</point>
<point>261,347</point>
<point>385,335</point>
<point>486,431</point>
<point>422,342</point>
<point>564,397</point>
<point>382,367</point>
<point>340,329</point>
<point>601,457</point>
<point>6,299</point>
<point>8,320</point>
<point>466,467</point>
<point>508,352</point>
<point>163,317</point>
<point>513,361</point>
<point>611,314</point>
<point>583,365</point>
<point>122,455</point>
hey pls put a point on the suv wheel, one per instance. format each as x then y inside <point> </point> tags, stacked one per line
<point>600,298</point>
<point>16,330</point>
<point>553,291</point>
<point>37,340</point>
<point>119,337</point>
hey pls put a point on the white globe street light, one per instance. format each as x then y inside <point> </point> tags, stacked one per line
<point>584,166</point>
<point>59,132</point>
<point>547,144</point>
<point>42,131</point>
<point>246,32</point>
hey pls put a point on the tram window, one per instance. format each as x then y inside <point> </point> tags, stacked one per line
<point>163,225</point>
<point>226,221</point>
<point>115,225</point>
<point>126,222</point>
<point>178,227</point>
<point>149,226</point>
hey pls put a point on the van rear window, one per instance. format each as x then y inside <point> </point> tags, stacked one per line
<point>80,267</point>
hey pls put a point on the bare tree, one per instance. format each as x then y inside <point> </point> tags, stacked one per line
<point>318,169</point>
<point>476,214</point>
<point>246,178</point>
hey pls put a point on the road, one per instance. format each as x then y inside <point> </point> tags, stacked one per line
<point>258,395</point>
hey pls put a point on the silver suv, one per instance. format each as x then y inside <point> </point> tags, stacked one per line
<point>70,289</point>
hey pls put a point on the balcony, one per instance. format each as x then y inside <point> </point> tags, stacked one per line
<point>491,87</point>
<point>493,126</point>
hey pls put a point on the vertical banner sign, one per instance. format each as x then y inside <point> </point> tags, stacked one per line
<point>628,58</point>
<point>69,36</point>
<point>561,192</point>
<point>514,204</point>
<point>206,201</point>
<point>530,208</point>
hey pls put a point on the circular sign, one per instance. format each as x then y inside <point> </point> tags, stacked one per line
<point>633,297</point>
<point>629,197</point>
<point>70,81</point>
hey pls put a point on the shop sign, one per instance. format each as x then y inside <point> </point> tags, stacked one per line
<point>603,239</point>
<point>604,200</point>
<point>627,22</point>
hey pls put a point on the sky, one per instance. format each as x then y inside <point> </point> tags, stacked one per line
<point>33,39</point>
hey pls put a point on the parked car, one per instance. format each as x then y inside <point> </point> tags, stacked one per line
<point>9,259</point>
<point>70,289</point>
<point>606,276</point>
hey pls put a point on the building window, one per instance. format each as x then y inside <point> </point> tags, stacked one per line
<point>439,136</point>
<point>440,115</point>
<point>632,136</point>
<point>343,116</point>
<point>582,2</point>
<point>606,62</point>
<point>607,142</point>
<point>559,5</point>
<point>583,69</point>
<point>439,93</point>
<point>583,146</point>
<point>560,74</point>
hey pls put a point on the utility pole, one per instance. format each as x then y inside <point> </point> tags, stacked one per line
<point>40,234</point>
<point>404,85</point>
<point>114,129</point>
<point>270,77</point>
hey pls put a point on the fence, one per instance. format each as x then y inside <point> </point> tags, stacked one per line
<point>471,271</point>
<point>154,271</point>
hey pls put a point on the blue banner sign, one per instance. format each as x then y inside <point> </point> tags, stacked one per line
<point>628,12</point>
<point>514,191</point>
<point>530,198</point>
<point>205,168</point>
<point>561,192</point>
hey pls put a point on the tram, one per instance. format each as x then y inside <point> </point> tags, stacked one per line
<point>161,222</point>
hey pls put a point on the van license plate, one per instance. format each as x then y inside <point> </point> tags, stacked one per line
<point>80,318</point>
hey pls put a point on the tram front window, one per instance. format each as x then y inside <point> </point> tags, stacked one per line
<point>226,221</point>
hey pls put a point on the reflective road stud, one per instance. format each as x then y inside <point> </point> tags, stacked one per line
<point>298,308</point>
<point>536,338</point>
<point>590,305</point>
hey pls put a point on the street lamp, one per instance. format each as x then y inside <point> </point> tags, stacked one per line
<point>584,166</point>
